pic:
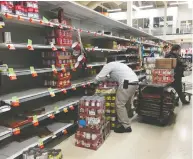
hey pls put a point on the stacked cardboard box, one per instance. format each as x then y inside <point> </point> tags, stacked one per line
<point>92,127</point>
<point>108,90</point>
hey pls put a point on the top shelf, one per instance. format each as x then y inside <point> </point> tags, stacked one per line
<point>77,11</point>
<point>12,18</point>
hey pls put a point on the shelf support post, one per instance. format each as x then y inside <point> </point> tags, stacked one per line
<point>129,13</point>
<point>165,19</point>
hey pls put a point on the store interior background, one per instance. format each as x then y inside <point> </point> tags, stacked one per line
<point>147,141</point>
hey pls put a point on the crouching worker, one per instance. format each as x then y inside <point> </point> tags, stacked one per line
<point>120,72</point>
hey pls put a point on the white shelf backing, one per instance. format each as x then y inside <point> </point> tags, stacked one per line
<point>50,109</point>
<point>25,71</point>
<point>5,132</point>
<point>149,44</point>
<point>93,64</point>
<point>104,50</point>
<point>15,149</point>
<point>126,55</point>
<point>95,35</point>
<point>35,46</point>
<point>31,94</point>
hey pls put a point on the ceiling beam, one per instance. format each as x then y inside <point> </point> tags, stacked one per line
<point>103,7</point>
<point>94,4</point>
<point>139,3</point>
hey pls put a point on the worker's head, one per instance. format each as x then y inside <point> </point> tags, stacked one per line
<point>176,49</point>
<point>166,49</point>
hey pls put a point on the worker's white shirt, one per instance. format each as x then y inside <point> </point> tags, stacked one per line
<point>118,72</point>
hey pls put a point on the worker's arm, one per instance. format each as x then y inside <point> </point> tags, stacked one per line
<point>102,76</point>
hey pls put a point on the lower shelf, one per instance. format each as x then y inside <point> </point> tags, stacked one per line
<point>51,109</point>
<point>15,149</point>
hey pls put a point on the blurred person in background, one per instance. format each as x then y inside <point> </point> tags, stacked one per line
<point>166,50</point>
<point>178,71</point>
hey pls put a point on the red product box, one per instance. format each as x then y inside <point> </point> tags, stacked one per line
<point>163,72</point>
<point>90,144</point>
<point>162,79</point>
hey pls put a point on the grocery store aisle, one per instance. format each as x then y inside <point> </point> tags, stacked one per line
<point>145,142</point>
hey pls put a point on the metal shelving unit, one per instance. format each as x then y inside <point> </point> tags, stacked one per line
<point>15,149</point>
<point>35,46</point>
<point>74,11</point>
<point>50,110</point>
<point>36,93</point>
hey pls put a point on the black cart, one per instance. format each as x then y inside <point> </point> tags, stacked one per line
<point>155,103</point>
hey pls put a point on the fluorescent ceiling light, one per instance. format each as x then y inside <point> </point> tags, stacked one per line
<point>149,6</point>
<point>114,10</point>
<point>175,3</point>
<point>135,7</point>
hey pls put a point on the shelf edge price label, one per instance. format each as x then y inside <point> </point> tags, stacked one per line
<point>64,91</point>
<point>2,24</point>
<point>20,18</point>
<point>60,26</point>
<point>63,68</point>
<point>63,48</point>
<point>53,47</point>
<point>11,74</point>
<point>29,44</point>
<point>35,120</point>
<point>51,116</point>
<point>15,101</point>
<point>65,131</point>
<point>8,16</point>
<point>54,69</point>
<point>45,20</point>
<point>41,143</point>
<point>74,87</point>
<point>71,107</point>
<point>56,110</point>
<point>10,46</point>
<point>16,131</point>
<point>52,94</point>
<point>33,72</point>
<point>65,110</point>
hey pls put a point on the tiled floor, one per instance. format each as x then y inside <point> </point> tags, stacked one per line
<point>145,142</point>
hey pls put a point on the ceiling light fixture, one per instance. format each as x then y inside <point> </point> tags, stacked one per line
<point>114,10</point>
<point>149,6</point>
<point>175,3</point>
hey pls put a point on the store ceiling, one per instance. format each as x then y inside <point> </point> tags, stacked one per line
<point>109,5</point>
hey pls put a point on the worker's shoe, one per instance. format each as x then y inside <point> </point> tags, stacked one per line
<point>121,129</point>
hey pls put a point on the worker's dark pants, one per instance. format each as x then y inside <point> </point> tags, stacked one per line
<point>177,84</point>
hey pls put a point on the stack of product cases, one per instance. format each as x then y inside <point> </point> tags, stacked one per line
<point>59,36</point>
<point>108,90</point>
<point>93,129</point>
<point>159,70</point>
<point>59,79</point>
